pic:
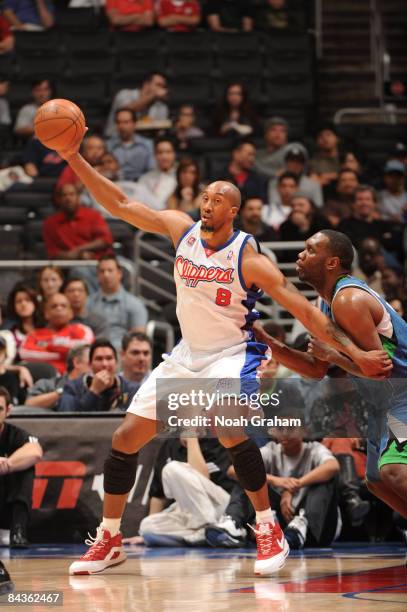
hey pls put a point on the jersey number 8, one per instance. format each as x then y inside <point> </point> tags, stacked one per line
<point>223,297</point>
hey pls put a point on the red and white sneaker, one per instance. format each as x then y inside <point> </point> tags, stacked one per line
<point>272,548</point>
<point>104,552</point>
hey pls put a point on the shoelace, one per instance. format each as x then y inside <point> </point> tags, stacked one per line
<point>264,540</point>
<point>95,543</point>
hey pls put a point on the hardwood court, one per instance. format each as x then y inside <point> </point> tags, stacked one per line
<point>213,580</point>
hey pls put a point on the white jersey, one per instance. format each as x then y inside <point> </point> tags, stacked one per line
<point>214,307</point>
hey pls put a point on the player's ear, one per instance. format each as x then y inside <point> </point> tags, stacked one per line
<point>332,263</point>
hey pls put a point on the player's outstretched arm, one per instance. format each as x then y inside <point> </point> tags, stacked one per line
<point>168,222</point>
<point>260,271</point>
<point>304,364</point>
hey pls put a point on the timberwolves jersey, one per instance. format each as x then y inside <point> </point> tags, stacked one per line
<point>214,307</point>
<point>389,395</point>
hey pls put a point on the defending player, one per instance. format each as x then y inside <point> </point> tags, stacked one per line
<point>371,322</point>
<point>219,274</point>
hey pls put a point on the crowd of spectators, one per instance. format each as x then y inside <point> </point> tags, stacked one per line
<point>76,341</point>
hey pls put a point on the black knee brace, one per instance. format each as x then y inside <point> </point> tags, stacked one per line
<point>120,472</point>
<point>249,465</point>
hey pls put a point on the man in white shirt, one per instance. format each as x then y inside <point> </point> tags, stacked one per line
<point>302,489</point>
<point>162,181</point>
<point>278,209</point>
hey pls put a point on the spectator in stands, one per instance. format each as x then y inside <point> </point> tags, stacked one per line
<point>31,15</point>
<point>339,202</point>
<point>295,161</point>
<point>9,379</point>
<point>371,263</point>
<point>93,149</point>
<point>304,221</point>
<point>270,160</point>
<point>102,390</point>
<point>50,281</point>
<point>325,163</point>
<point>240,172</point>
<point>51,344</point>
<point>76,232</point>
<point>7,39</point>
<point>19,452</point>
<point>400,153</point>
<point>133,152</point>
<point>235,115</point>
<point>136,356</point>
<point>77,292</point>
<point>393,199</point>
<point>5,115</point>
<point>278,210</point>
<point>229,15</point>
<point>128,16</point>
<point>349,161</point>
<point>394,284</point>
<point>272,15</point>
<point>147,102</point>
<point>302,489</point>
<point>123,310</point>
<point>23,313</point>
<point>185,196</point>
<point>41,91</point>
<point>41,161</point>
<point>109,167</point>
<point>178,15</point>
<point>185,128</point>
<point>46,392</point>
<point>162,181</point>
<point>250,221</point>
<point>192,472</point>
<point>364,221</point>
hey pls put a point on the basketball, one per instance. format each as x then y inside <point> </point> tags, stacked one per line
<point>59,124</point>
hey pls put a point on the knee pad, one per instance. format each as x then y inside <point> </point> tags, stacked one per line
<point>119,472</point>
<point>249,465</point>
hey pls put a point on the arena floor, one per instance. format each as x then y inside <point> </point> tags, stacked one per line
<point>343,578</point>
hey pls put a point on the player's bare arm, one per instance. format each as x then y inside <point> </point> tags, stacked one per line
<point>304,364</point>
<point>260,271</point>
<point>170,223</point>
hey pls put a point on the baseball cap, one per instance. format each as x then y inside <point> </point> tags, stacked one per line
<point>394,165</point>
<point>296,152</point>
<point>275,121</point>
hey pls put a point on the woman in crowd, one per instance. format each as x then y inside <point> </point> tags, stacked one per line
<point>185,196</point>
<point>235,115</point>
<point>23,313</point>
<point>50,281</point>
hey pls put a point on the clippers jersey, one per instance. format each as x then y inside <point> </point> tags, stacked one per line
<point>215,309</point>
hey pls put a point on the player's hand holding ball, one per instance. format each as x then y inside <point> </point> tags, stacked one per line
<point>60,125</point>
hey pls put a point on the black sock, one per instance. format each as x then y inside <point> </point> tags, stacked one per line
<point>20,514</point>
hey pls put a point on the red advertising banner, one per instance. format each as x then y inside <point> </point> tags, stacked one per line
<point>68,485</point>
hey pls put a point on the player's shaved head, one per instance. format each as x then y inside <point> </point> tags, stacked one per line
<point>229,190</point>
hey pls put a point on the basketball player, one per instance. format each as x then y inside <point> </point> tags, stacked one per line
<point>371,322</point>
<point>219,275</point>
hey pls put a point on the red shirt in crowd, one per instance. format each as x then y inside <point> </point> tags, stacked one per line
<point>62,233</point>
<point>5,30</point>
<point>187,8</point>
<point>52,346</point>
<point>129,7</point>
